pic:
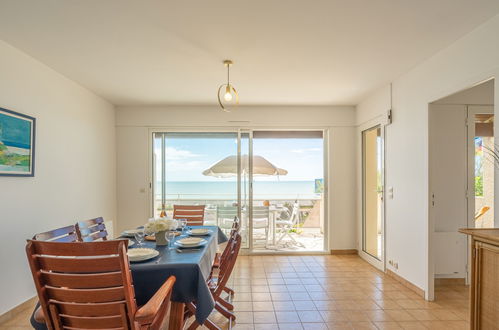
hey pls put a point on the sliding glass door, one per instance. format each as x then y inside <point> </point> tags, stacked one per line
<point>272,180</point>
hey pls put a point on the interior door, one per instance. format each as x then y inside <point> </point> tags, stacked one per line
<point>448,200</point>
<point>373,195</point>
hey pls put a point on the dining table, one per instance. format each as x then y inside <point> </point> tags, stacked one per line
<point>190,266</point>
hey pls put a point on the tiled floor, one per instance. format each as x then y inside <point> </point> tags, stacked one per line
<point>335,292</point>
<point>327,292</point>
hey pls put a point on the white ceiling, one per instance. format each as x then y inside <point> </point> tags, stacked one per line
<point>323,52</point>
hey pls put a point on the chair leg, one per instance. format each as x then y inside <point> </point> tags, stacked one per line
<point>195,324</point>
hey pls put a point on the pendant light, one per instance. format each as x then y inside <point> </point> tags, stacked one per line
<point>230,97</point>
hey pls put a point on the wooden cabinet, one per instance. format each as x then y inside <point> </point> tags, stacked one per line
<point>484,302</point>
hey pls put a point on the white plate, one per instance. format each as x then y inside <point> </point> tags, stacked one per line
<point>190,240</point>
<point>199,232</point>
<point>190,243</point>
<point>141,254</point>
<point>131,232</point>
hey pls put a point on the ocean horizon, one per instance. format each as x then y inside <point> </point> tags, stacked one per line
<point>228,190</point>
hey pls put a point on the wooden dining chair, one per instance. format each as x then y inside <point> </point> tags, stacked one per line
<point>194,214</point>
<point>88,285</point>
<point>218,283</point>
<point>65,234</point>
<point>91,230</point>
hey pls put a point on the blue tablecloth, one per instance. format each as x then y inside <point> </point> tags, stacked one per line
<point>191,268</point>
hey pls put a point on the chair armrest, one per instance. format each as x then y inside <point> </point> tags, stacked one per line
<point>147,313</point>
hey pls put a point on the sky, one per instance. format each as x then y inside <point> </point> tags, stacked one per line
<point>188,157</point>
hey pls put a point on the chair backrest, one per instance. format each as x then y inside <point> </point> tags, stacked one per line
<point>226,212</point>
<point>91,230</point>
<point>83,285</point>
<point>194,214</point>
<point>261,212</point>
<point>64,234</point>
<point>227,262</point>
<point>295,214</point>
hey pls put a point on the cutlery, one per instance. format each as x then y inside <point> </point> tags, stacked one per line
<point>185,250</point>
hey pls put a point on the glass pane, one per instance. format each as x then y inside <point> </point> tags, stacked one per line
<point>288,191</point>
<point>245,188</point>
<point>484,171</point>
<point>157,173</point>
<point>372,191</point>
<point>200,169</point>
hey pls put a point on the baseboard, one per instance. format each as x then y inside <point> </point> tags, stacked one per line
<point>8,315</point>
<point>450,281</point>
<point>345,252</point>
<point>406,283</point>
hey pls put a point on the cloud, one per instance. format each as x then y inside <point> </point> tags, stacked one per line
<point>177,154</point>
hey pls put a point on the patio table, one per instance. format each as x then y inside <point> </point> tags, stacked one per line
<point>191,268</point>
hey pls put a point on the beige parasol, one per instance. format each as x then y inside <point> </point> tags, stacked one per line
<point>227,167</point>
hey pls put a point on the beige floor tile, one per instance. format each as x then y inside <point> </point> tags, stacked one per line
<point>290,326</point>
<point>446,315</point>
<point>243,306</point>
<point>304,305</point>
<point>423,314</point>
<point>412,325</point>
<point>284,306</point>
<point>363,325</point>
<point>314,326</point>
<point>310,316</point>
<point>339,325</point>
<point>264,317</point>
<point>400,315</point>
<point>266,326</point>
<point>244,317</point>
<point>263,306</point>
<point>387,325</point>
<point>287,317</point>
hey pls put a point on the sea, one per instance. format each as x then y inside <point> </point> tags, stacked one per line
<point>220,190</point>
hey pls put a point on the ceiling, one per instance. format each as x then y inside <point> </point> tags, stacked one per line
<point>316,52</point>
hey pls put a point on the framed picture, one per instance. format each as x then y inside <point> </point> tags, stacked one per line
<point>17,144</point>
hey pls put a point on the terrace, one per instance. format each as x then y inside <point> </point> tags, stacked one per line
<point>304,231</point>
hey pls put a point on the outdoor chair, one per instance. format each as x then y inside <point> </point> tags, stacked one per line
<point>226,216</point>
<point>194,214</point>
<point>91,230</point>
<point>64,234</point>
<point>88,285</point>
<point>261,217</point>
<point>285,226</point>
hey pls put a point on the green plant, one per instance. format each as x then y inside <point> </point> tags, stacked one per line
<point>479,186</point>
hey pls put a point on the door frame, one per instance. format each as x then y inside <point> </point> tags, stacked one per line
<point>378,263</point>
<point>471,111</point>
<point>238,131</point>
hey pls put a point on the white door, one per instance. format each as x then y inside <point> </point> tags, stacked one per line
<point>372,234</point>
<point>448,189</point>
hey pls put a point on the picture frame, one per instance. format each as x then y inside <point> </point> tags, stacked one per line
<point>17,144</point>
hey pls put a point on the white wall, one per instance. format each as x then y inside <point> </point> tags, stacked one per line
<point>472,59</point>
<point>75,164</point>
<point>133,125</point>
